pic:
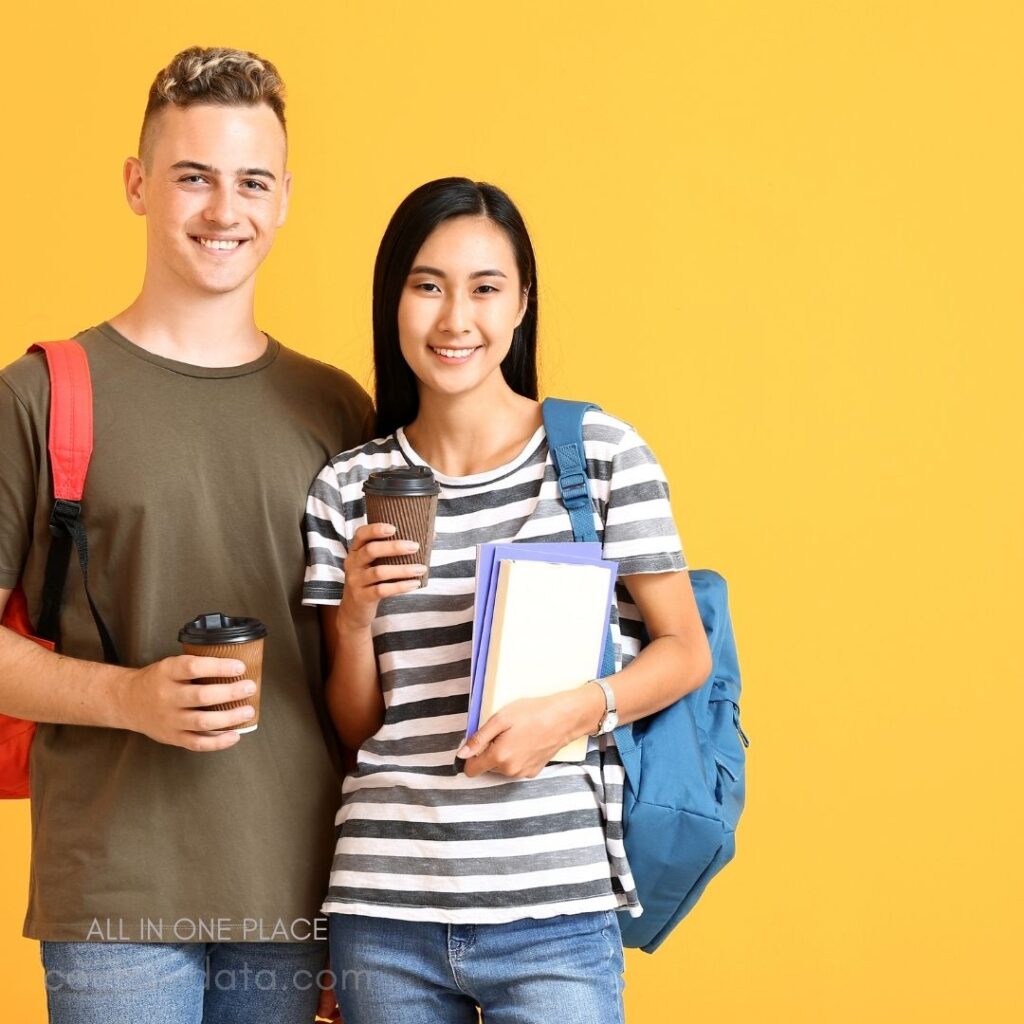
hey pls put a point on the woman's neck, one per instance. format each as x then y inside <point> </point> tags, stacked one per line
<point>468,434</point>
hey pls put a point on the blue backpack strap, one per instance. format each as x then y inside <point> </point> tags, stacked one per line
<point>563,424</point>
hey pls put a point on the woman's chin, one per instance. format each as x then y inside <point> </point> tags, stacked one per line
<point>458,384</point>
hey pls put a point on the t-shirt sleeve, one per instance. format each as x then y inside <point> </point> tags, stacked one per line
<point>19,475</point>
<point>369,427</point>
<point>327,540</point>
<point>640,533</point>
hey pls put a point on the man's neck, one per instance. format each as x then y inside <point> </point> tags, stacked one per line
<point>203,330</point>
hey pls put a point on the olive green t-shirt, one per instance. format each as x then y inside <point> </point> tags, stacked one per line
<point>193,503</point>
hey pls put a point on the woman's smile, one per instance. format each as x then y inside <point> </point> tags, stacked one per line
<point>454,356</point>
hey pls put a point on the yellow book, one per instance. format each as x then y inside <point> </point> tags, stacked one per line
<point>547,633</point>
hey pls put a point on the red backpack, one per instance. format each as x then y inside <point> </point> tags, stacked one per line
<point>70,446</point>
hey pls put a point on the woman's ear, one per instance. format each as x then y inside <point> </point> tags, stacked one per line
<point>523,305</point>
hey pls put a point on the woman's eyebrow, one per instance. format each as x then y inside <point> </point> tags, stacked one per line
<point>440,273</point>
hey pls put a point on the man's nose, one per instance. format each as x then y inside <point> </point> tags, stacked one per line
<point>220,210</point>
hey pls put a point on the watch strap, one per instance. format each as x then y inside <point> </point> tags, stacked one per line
<point>609,706</point>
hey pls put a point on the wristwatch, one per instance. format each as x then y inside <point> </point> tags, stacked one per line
<point>611,714</point>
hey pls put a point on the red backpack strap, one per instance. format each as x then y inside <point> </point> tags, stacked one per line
<point>70,446</point>
<point>70,437</point>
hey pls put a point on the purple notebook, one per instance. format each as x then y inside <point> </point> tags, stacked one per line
<point>488,558</point>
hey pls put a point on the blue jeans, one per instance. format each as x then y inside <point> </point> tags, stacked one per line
<point>183,983</point>
<point>566,969</point>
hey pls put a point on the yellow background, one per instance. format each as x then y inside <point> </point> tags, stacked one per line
<point>784,240</point>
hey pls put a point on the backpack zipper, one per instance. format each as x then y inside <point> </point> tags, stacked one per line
<point>736,722</point>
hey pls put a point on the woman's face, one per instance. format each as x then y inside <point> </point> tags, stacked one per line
<point>462,301</point>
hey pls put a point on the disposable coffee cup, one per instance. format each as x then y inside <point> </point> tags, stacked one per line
<point>215,635</point>
<point>406,497</point>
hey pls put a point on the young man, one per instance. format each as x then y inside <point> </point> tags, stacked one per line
<point>177,869</point>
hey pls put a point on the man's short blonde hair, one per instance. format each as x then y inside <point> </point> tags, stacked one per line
<point>213,75</point>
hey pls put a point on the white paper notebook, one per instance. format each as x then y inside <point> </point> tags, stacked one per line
<point>548,630</point>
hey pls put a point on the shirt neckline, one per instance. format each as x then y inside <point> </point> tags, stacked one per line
<point>476,479</point>
<point>188,369</point>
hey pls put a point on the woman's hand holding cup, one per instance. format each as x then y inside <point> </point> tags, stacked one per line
<point>366,583</point>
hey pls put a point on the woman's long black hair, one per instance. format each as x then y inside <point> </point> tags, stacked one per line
<point>420,213</point>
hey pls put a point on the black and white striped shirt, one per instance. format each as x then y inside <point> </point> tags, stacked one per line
<point>417,840</point>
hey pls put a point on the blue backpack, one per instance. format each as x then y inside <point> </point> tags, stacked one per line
<point>684,765</point>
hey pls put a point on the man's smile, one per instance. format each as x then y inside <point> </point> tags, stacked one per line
<point>218,244</point>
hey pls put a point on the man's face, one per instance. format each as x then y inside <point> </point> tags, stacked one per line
<point>214,190</point>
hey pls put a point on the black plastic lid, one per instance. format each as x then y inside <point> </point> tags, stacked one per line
<point>401,481</point>
<point>217,628</point>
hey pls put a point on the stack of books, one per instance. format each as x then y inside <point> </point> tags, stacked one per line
<point>540,624</point>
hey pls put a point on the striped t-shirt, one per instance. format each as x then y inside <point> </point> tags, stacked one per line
<point>418,840</point>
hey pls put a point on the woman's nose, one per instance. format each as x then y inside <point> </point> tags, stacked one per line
<point>456,318</point>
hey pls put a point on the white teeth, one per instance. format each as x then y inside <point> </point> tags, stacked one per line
<point>455,353</point>
<point>219,243</point>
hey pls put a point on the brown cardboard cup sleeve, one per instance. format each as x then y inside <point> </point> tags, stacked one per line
<point>215,635</point>
<point>406,497</point>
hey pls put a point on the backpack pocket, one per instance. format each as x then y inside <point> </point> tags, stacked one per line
<point>670,852</point>
<point>15,748</point>
<point>727,743</point>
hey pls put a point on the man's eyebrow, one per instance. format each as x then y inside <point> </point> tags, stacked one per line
<point>421,269</point>
<point>193,165</point>
<point>244,172</point>
<point>256,172</point>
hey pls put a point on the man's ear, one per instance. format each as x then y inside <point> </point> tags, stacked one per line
<point>286,193</point>
<point>134,185</point>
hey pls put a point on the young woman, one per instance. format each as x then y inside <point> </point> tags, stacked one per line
<point>477,874</point>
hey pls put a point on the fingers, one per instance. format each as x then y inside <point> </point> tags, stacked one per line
<point>374,542</point>
<point>388,573</point>
<point>478,765</point>
<point>168,707</point>
<point>190,666</point>
<point>375,582</point>
<point>479,751</point>
<point>376,549</point>
<point>371,532</point>
<point>207,694</point>
<point>497,746</point>
<point>215,721</point>
<point>369,577</point>
<point>483,737</point>
<point>500,757</point>
<point>203,744</point>
<point>382,590</point>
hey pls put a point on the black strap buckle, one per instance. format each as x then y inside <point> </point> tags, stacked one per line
<point>65,514</point>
